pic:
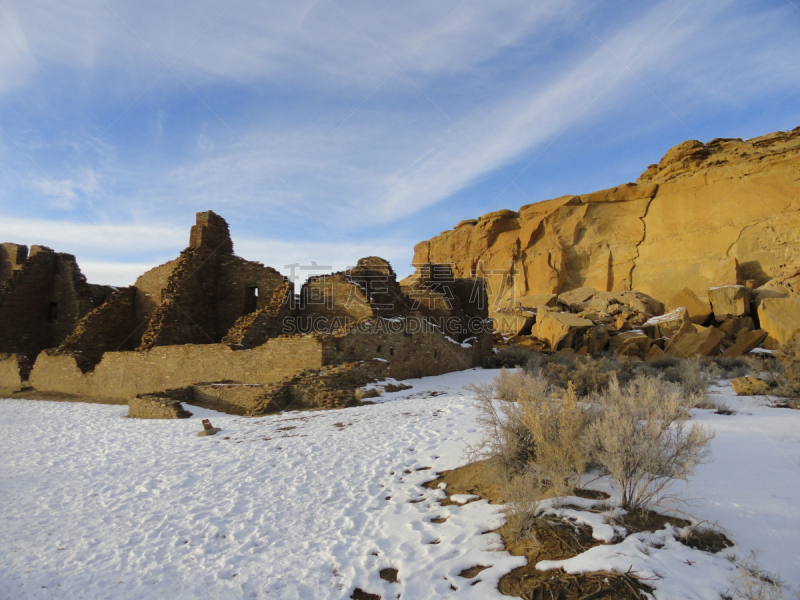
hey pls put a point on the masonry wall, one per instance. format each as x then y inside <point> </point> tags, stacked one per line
<point>10,373</point>
<point>156,408</point>
<point>236,275</point>
<point>410,352</point>
<point>148,290</point>
<point>122,375</point>
<point>12,257</point>
<point>187,314</point>
<point>109,328</point>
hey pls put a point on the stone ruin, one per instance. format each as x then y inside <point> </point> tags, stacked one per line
<point>214,329</point>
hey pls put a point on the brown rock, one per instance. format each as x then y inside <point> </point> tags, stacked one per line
<point>560,329</point>
<point>692,341</point>
<point>666,325</point>
<point>729,301</point>
<point>630,343</point>
<point>749,386</point>
<point>699,309</point>
<point>654,352</point>
<point>745,342</point>
<point>780,318</point>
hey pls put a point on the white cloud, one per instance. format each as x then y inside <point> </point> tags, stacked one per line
<point>114,254</point>
<point>16,61</point>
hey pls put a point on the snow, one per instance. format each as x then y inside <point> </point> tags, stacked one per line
<point>670,316</point>
<point>314,504</point>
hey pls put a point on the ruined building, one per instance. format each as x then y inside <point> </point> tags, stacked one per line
<point>214,328</point>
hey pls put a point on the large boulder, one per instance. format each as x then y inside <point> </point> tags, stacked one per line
<point>666,325</point>
<point>745,342</point>
<point>699,309</point>
<point>693,341</point>
<point>561,330</point>
<point>780,318</point>
<point>729,301</point>
<point>630,343</point>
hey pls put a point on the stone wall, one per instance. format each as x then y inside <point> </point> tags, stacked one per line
<point>237,280</point>
<point>109,328</point>
<point>411,348</point>
<point>122,375</point>
<point>42,301</point>
<point>156,408</point>
<point>255,328</point>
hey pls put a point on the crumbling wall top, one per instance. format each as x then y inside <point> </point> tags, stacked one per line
<point>211,233</point>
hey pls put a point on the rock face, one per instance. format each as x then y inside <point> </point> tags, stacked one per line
<point>716,214</point>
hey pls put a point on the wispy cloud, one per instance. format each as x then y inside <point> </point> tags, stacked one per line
<point>333,120</point>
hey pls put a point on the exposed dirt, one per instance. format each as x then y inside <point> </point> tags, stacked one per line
<point>549,539</point>
<point>359,594</point>
<point>389,575</point>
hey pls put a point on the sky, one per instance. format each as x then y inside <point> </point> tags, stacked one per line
<point>328,130</point>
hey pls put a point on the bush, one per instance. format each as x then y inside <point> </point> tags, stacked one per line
<point>591,374</point>
<point>643,439</point>
<point>788,372</point>
<point>508,358</point>
<point>534,442</point>
<point>587,374</point>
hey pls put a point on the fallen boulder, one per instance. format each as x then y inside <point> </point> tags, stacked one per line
<point>699,309</point>
<point>729,301</point>
<point>666,325</point>
<point>780,318</point>
<point>693,341</point>
<point>630,343</point>
<point>561,330</point>
<point>746,341</point>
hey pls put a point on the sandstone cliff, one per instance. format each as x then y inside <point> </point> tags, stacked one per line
<point>724,212</point>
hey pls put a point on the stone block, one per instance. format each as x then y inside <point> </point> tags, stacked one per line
<point>699,309</point>
<point>746,341</point>
<point>666,325</point>
<point>729,301</point>
<point>692,341</point>
<point>780,318</point>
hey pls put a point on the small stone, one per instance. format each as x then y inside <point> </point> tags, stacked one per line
<point>207,432</point>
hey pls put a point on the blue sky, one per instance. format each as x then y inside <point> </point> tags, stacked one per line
<point>330,130</point>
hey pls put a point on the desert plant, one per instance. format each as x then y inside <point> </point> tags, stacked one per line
<point>587,374</point>
<point>644,441</point>
<point>753,583</point>
<point>510,357</point>
<point>534,443</point>
<point>557,426</point>
<point>788,372</point>
<point>732,367</point>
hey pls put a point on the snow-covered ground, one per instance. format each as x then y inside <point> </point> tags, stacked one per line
<point>314,504</point>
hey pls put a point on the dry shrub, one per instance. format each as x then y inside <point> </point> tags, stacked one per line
<point>732,367</point>
<point>508,358</point>
<point>591,374</point>
<point>534,442</point>
<point>587,374</point>
<point>788,372</point>
<point>644,441</point>
<point>753,583</point>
